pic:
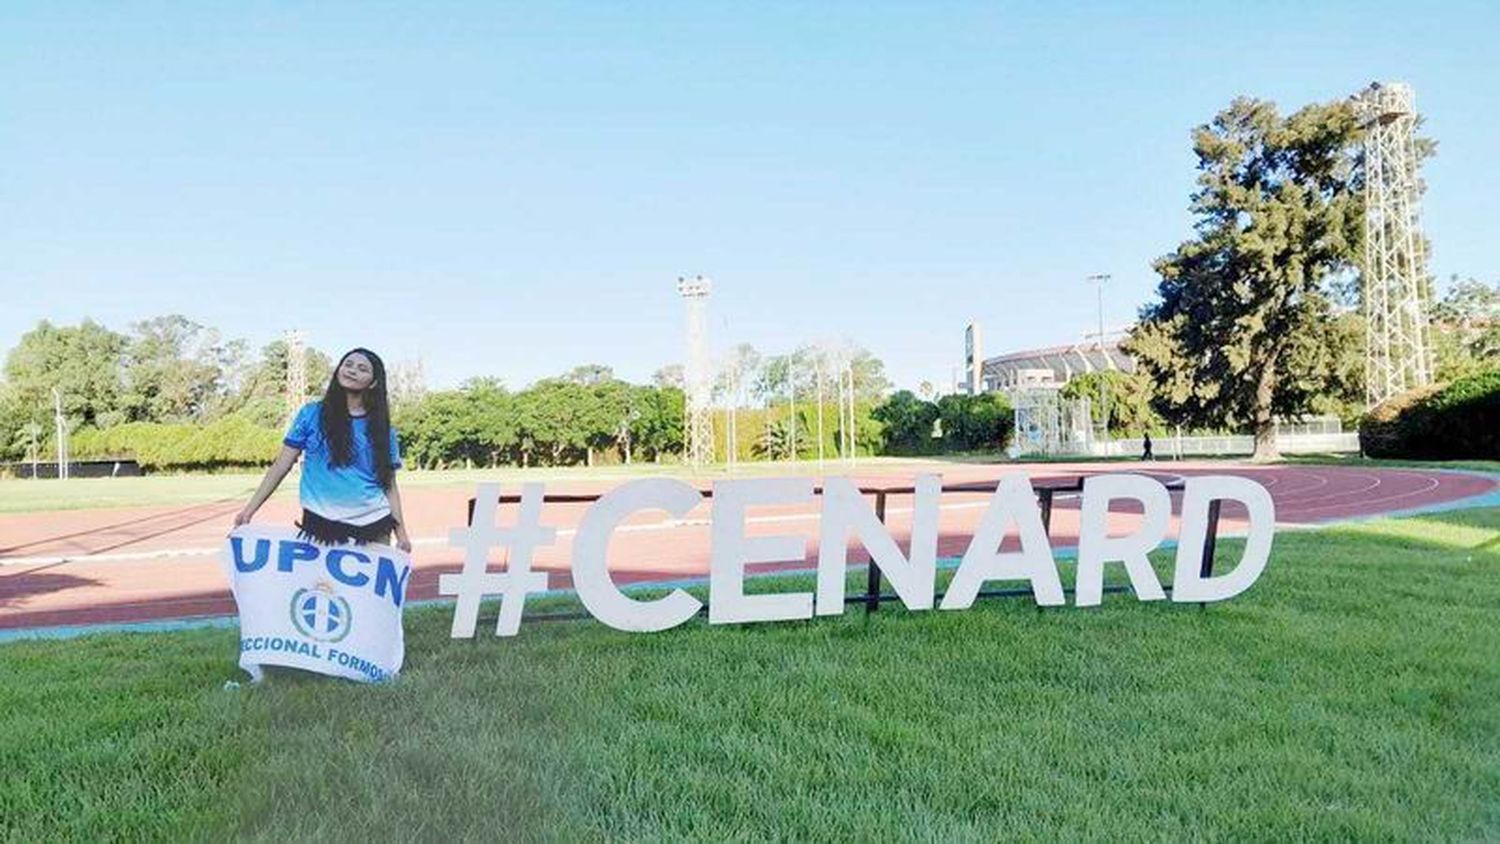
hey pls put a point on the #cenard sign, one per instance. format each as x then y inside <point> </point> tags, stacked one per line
<point>846,514</point>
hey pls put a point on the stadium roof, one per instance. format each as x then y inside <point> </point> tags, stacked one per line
<point>1064,362</point>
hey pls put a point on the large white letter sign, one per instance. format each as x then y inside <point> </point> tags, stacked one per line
<point>1188,584</point>
<point>1014,499</point>
<point>732,549</point>
<point>846,511</point>
<point>591,568</point>
<point>1096,546</point>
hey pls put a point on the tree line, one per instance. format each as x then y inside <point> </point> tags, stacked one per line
<point>167,372</point>
<point>174,395</point>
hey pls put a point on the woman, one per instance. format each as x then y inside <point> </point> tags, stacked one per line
<point>348,489</point>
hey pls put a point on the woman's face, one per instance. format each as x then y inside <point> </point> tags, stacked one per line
<point>356,373</point>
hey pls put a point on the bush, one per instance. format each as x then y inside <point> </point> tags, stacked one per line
<point>1457,421</point>
<point>233,441</point>
<point>954,423</point>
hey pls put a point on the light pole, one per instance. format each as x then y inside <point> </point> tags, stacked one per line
<point>734,404</point>
<point>61,423</point>
<point>791,401</point>
<point>1101,278</point>
<point>853,433</point>
<point>820,413</point>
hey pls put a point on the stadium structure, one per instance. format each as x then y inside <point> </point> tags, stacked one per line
<point>1046,422</point>
<point>1053,366</point>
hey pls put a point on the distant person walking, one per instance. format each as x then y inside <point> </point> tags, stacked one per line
<point>350,457</point>
<point>1146,447</point>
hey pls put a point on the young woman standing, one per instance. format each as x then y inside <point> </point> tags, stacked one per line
<point>348,488</point>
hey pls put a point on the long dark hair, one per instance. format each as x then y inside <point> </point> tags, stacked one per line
<point>338,430</point>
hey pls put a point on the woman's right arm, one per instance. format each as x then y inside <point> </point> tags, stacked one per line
<point>284,463</point>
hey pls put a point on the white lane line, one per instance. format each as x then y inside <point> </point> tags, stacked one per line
<point>1337,494</point>
<point>1319,481</point>
<point>1433,483</point>
<point>669,524</point>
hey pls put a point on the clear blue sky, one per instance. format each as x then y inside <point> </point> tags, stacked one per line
<point>510,189</point>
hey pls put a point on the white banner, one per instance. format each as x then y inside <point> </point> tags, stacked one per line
<point>335,610</point>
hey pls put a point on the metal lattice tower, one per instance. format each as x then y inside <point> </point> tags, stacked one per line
<point>296,373</point>
<point>697,372</point>
<point>1397,357</point>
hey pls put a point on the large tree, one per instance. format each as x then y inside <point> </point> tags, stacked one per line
<point>82,362</point>
<point>262,385</point>
<point>1466,329</point>
<point>175,370</point>
<point>1129,398</point>
<point>1236,338</point>
<point>778,376</point>
<point>907,423</point>
<point>590,374</point>
<point>656,420</point>
<point>981,421</point>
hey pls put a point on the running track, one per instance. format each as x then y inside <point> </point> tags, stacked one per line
<point>121,565</point>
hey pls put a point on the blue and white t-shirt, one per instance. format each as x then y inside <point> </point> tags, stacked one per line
<point>349,494</point>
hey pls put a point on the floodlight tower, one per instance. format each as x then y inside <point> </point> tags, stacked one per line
<point>696,374</point>
<point>296,373</point>
<point>1397,357</point>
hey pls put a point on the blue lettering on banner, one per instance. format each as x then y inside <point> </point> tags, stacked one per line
<point>336,568</point>
<point>343,564</point>
<point>262,553</point>
<point>280,645</point>
<point>292,552</point>
<point>363,666</point>
<point>386,578</point>
<point>343,659</point>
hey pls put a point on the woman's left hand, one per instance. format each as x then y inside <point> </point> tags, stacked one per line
<point>403,541</point>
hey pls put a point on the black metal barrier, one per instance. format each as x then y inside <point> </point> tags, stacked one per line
<point>873,597</point>
<point>47,470</point>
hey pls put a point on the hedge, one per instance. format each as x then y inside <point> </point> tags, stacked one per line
<point>233,441</point>
<point>1458,421</point>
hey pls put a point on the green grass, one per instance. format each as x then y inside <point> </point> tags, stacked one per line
<point>29,496</point>
<point>34,496</point>
<point>1353,693</point>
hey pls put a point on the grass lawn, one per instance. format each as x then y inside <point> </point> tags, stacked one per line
<point>18,495</point>
<point>1353,693</point>
<point>34,496</point>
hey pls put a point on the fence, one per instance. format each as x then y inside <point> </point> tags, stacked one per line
<point>1203,446</point>
<point>76,469</point>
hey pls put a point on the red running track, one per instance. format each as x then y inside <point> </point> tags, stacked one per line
<point>121,565</point>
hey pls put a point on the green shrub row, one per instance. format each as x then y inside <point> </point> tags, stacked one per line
<point>1458,421</point>
<point>233,441</point>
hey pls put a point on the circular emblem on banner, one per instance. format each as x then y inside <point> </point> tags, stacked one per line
<point>320,614</point>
